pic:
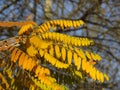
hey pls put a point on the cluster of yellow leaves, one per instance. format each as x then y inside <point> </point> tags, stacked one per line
<point>50,87</point>
<point>67,23</point>
<point>41,46</point>
<point>86,54</point>
<point>23,59</point>
<point>43,75</point>
<point>30,64</point>
<point>61,51</point>
<point>61,23</point>
<point>93,72</point>
<point>80,58</point>
<point>39,43</point>
<point>45,26</point>
<point>54,53</point>
<point>66,39</point>
<point>55,61</point>
<point>67,55</point>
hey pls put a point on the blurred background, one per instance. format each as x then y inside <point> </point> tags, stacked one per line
<point>102,24</point>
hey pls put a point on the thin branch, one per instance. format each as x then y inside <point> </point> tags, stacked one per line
<point>35,9</point>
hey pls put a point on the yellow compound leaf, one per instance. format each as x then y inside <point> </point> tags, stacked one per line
<point>66,39</point>
<point>59,23</point>
<point>69,55</point>
<point>63,52</point>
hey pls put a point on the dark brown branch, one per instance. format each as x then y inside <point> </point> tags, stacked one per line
<point>90,10</point>
<point>14,2</point>
<point>35,9</point>
<point>87,21</point>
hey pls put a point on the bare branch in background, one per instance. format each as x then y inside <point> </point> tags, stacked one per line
<point>48,9</point>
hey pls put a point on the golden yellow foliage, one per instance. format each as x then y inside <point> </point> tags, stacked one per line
<point>63,54</point>
<point>42,51</point>
<point>39,43</point>
<point>51,50</point>
<point>61,23</point>
<point>25,28</point>
<point>57,51</point>
<point>31,51</point>
<point>78,73</point>
<point>69,56</point>
<point>55,62</point>
<point>67,39</point>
